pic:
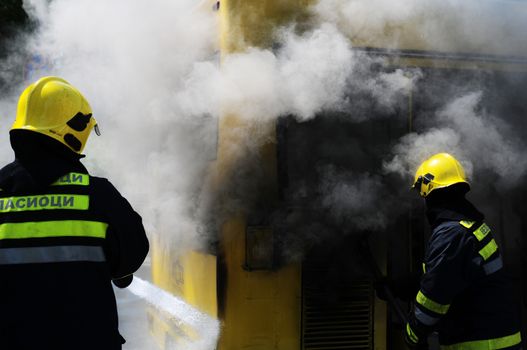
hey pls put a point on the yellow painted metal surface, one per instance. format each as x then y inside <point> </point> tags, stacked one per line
<point>261,309</point>
<point>198,286</point>
<point>160,258</point>
<point>191,276</point>
<point>247,23</point>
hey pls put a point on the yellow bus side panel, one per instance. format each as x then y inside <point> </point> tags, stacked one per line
<point>261,309</point>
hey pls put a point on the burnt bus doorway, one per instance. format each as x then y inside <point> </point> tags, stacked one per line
<point>333,190</point>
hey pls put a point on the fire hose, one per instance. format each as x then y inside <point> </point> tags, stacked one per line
<point>379,277</point>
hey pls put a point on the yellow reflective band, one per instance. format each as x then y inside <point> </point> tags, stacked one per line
<point>43,229</point>
<point>424,268</point>
<point>44,202</point>
<point>489,249</point>
<point>73,179</point>
<point>430,304</point>
<point>467,224</point>
<point>413,337</point>
<point>482,232</point>
<point>487,344</point>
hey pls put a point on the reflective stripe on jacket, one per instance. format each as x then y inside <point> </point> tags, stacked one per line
<point>60,246</point>
<point>509,341</point>
<point>52,227</point>
<point>464,291</point>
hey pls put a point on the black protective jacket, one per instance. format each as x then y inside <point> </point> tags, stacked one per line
<point>64,235</point>
<point>464,293</point>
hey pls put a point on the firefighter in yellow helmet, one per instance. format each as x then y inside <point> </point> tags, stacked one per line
<point>464,294</point>
<point>64,234</point>
<point>55,108</point>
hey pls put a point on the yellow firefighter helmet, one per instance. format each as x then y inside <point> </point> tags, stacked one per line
<point>439,171</point>
<point>53,107</point>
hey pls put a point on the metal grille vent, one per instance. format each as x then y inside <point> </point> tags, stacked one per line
<point>336,316</point>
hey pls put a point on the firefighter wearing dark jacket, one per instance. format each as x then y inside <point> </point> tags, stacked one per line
<point>64,234</point>
<point>464,293</point>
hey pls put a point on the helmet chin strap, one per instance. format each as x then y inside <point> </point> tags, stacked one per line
<point>423,180</point>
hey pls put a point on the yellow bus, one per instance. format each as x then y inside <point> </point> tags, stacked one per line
<point>283,276</point>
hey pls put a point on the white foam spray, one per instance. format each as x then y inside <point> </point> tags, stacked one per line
<point>206,328</point>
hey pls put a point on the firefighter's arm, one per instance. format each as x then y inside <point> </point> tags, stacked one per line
<point>446,262</point>
<point>126,241</point>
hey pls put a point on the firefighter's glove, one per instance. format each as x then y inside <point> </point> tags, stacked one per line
<point>123,282</point>
<point>415,339</point>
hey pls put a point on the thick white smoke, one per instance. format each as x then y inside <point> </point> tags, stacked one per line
<point>482,142</point>
<point>444,25</point>
<point>259,84</point>
<point>487,146</point>
<point>7,109</point>
<point>152,75</point>
<point>132,59</point>
<point>151,72</point>
<point>353,200</point>
<point>415,148</point>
